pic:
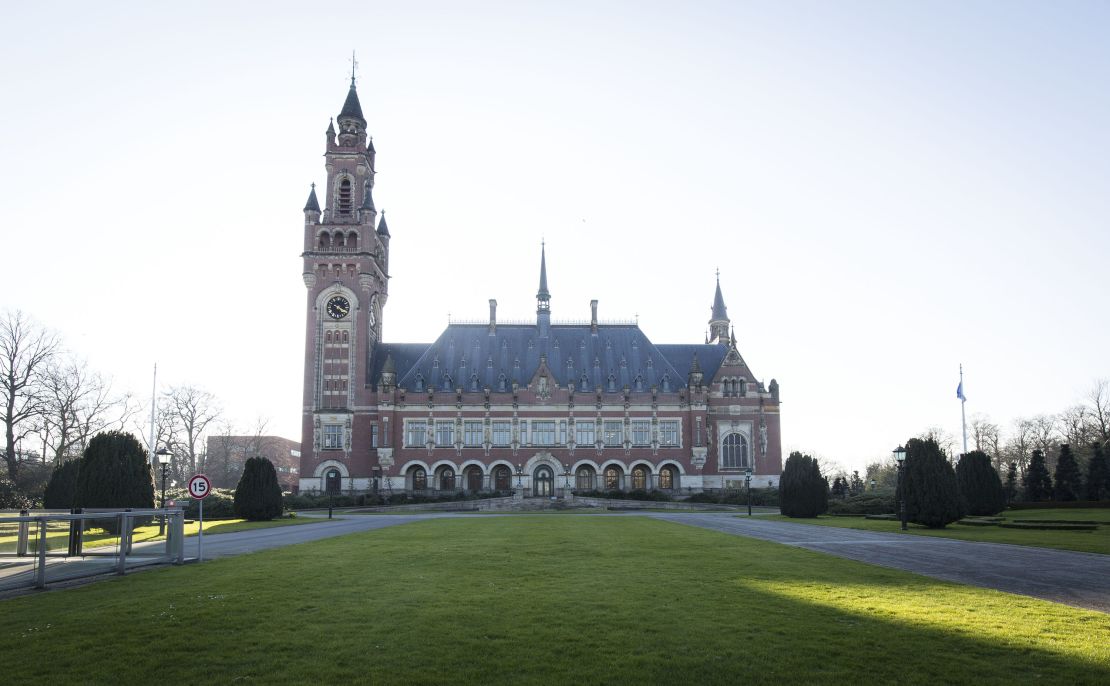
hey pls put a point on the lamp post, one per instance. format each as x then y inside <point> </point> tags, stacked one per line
<point>163,457</point>
<point>872,484</point>
<point>900,458</point>
<point>748,488</point>
<point>566,475</point>
<point>519,474</point>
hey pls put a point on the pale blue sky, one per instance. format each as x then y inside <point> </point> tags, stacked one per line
<point>889,188</point>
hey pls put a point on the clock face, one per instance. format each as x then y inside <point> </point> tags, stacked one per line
<point>338,307</point>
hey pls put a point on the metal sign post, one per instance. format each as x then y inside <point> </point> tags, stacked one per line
<point>199,488</point>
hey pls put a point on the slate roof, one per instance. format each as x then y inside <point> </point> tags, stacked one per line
<point>719,310</point>
<point>313,204</point>
<point>467,356</point>
<point>352,109</point>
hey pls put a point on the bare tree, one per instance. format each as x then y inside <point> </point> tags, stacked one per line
<point>1076,427</point>
<point>1019,446</point>
<point>987,436</point>
<point>944,439</point>
<point>26,351</point>
<point>186,413</point>
<point>79,403</point>
<point>1046,438</point>
<point>1098,408</point>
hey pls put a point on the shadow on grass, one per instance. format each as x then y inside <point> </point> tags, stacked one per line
<point>551,600</point>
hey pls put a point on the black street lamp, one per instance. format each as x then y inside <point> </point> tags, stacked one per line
<point>163,457</point>
<point>900,458</point>
<point>872,484</point>
<point>748,487</point>
<point>519,474</point>
<point>566,475</point>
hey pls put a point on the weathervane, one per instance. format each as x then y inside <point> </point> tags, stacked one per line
<point>354,66</point>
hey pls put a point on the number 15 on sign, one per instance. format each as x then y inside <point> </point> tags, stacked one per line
<point>199,488</point>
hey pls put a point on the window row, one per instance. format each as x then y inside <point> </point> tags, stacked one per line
<point>541,432</point>
<point>734,388</point>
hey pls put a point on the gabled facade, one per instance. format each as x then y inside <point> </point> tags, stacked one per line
<point>541,407</point>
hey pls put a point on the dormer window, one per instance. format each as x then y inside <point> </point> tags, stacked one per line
<point>344,197</point>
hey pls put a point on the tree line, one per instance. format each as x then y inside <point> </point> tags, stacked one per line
<point>52,404</point>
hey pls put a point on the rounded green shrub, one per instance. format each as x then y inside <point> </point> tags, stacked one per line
<point>258,495</point>
<point>929,485</point>
<point>803,492</point>
<point>62,487</point>
<point>980,488</point>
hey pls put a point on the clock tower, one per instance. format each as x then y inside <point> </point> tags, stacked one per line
<point>346,258</point>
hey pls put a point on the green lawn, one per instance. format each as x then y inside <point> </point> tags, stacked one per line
<point>57,534</point>
<point>1097,541</point>
<point>545,600</point>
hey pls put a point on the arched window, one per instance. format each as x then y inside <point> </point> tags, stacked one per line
<point>419,479</point>
<point>584,479</point>
<point>666,478</point>
<point>332,481</point>
<point>352,240</point>
<point>734,451</point>
<point>344,197</point>
<point>447,480</point>
<point>502,478</point>
<point>741,387</point>
<point>418,383</point>
<point>639,478</point>
<point>338,241</point>
<point>325,241</point>
<point>612,479</point>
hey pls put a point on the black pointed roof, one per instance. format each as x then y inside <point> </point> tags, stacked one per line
<point>368,198</point>
<point>352,109</point>
<point>543,293</point>
<point>720,312</point>
<point>313,205</point>
<point>383,228</point>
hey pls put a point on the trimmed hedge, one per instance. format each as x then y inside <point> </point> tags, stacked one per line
<point>1054,504</point>
<point>803,492</point>
<point>762,497</point>
<point>1049,527</point>
<point>864,504</point>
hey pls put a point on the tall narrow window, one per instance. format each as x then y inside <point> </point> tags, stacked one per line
<point>373,435</point>
<point>734,452</point>
<point>641,432</point>
<point>344,200</point>
<point>584,432</point>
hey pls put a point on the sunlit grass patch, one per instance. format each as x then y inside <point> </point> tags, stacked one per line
<point>542,600</point>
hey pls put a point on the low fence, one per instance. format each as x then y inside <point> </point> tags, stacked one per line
<point>40,547</point>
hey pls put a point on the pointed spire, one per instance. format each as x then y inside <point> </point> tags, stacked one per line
<point>389,366</point>
<point>370,146</point>
<point>694,366</point>
<point>543,293</point>
<point>352,109</point>
<point>313,205</point>
<point>331,127</point>
<point>720,312</point>
<point>383,229</point>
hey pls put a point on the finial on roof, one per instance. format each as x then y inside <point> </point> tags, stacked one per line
<point>383,230</point>
<point>352,109</point>
<point>331,127</point>
<point>694,365</point>
<point>370,146</point>
<point>354,65</point>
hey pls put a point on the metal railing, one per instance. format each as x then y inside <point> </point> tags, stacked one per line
<point>39,547</point>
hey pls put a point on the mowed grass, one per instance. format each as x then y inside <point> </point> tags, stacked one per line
<point>57,533</point>
<point>1097,541</point>
<point>545,600</point>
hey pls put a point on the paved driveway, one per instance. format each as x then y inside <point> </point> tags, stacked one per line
<point>1078,579</point>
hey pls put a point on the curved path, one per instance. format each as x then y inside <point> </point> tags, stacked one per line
<point>1062,576</point>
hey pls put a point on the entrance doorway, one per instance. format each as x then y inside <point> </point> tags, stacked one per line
<point>332,482</point>
<point>474,479</point>
<point>543,482</point>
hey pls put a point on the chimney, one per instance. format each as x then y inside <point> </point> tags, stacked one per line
<point>492,317</point>
<point>593,317</point>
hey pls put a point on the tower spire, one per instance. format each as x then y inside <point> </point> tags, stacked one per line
<point>543,296</point>
<point>718,320</point>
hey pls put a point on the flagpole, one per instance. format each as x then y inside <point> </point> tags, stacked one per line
<point>153,408</point>
<point>963,412</point>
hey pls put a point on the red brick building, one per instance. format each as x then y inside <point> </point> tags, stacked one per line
<point>541,406</point>
<point>226,455</point>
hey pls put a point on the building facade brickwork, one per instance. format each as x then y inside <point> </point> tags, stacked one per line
<point>539,408</point>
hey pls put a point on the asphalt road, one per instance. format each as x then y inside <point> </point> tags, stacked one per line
<point>1077,579</point>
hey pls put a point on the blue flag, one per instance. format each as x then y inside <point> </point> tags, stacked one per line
<point>960,392</point>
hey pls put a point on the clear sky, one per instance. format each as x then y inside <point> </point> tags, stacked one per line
<point>888,188</point>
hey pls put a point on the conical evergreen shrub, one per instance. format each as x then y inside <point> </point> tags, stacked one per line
<point>803,492</point>
<point>978,485</point>
<point>114,473</point>
<point>1038,484</point>
<point>1068,479</point>
<point>1098,475</point>
<point>929,485</point>
<point>1011,487</point>
<point>62,487</point>
<point>258,495</point>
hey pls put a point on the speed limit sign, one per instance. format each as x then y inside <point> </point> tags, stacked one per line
<point>199,487</point>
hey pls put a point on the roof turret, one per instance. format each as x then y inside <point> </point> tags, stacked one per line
<point>383,229</point>
<point>352,109</point>
<point>313,205</point>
